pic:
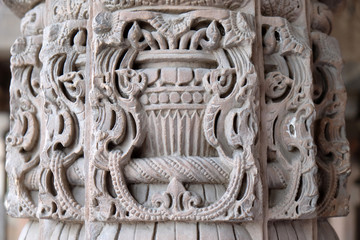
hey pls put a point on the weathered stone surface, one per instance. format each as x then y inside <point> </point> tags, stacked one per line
<point>177,120</point>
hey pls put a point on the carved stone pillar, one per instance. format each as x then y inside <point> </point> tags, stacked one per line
<point>161,119</point>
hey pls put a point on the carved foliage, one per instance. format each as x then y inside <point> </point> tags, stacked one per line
<point>290,115</point>
<point>131,88</point>
<point>23,141</point>
<point>288,9</point>
<point>62,160</point>
<point>330,98</point>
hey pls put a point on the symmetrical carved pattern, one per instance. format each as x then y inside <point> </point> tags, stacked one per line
<point>330,98</point>
<point>63,83</point>
<point>24,139</point>
<point>172,119</point>
<point>192,118</point>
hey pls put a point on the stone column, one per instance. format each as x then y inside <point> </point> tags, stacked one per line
<point>167,119</point>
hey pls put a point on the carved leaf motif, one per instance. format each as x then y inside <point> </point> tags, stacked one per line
<point>291,114</point>
<point>24,141</point>
<point>333,147</point>
<point>289,9</point>
<point>213,35</point>
<point>238,28</point>
<point>137,47</point>
<point>176,198</point>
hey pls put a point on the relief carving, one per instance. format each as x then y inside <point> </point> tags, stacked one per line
<point>23,143</point>
<point>228,4</point>
<point>290,114</point>
<point>62,184</point>
<point>329,95</point>
<point>156,120</point>
<point>170,119</point>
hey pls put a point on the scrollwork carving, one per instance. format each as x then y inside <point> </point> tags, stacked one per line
<point>330,98</point>
<point>63,76</point>
<point>130,55</point>
<point>290,114</point>
<point>23,143</point>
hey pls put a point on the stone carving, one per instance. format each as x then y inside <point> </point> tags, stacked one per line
<point>229,4</point>
<point>176,120</point>
<point>23,143</point>
<point>289,9</point>
<point>290,115</point>
<point>175,116</point>
<point>330,97</point>
<point>63,84</point>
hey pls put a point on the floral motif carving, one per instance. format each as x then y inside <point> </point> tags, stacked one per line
<point>141,119</point>
<point>132,88</point>
<point>330,97</point>
<point>24,139</point>
<point>63,85</point>
<point>288,9</point>
<point>290,117</point>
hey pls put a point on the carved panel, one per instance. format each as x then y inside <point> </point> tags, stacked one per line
<point>23,143</point>
<point>62,192</point>
<point>290,114</point>
<point>147,119</point>
<point>330,99</point>
<point>175,103</point>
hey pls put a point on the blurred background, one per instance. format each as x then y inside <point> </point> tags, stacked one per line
<point>346,28</point>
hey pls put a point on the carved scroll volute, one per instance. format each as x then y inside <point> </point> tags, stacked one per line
<point>23,143</point>
<point>330,97</point>
<point>158,76</point>
<point>290,113</point>
<point>62,183</point>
